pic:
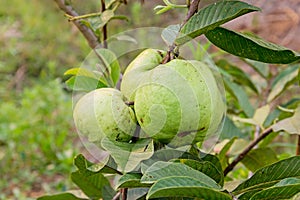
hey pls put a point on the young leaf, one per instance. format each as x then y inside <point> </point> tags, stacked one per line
<point>249,46</point>
<point>161,170</point>
<point>131,180</point>
<point>213,16</point>
<point>270,175</point>
<point>222,155</point>
<point>84,83</point>
<point>205,167</point>
<point>185,186</point>
<point>285,189</point>
<point>109,66</point>
<point>290,125</point>
<point>63,196</point>
<point>283,80</point>
<point>259,158</point>
<point>129,155</point>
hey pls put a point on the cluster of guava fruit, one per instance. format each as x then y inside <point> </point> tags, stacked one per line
<point>176,103</point>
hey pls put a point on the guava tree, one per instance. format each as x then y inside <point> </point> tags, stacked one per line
<point>176,126</point>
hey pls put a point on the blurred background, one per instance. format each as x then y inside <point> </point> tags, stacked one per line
<point>37,137</point>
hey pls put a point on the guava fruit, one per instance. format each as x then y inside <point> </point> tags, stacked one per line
<point>177,103</point>
<point>103,113</point>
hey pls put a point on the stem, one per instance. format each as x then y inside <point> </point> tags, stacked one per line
<point>192,9</point>
<point>242,155</point>
<point>124,193</point>
<point>298,146</point>
<point>87,33</point>
<point>104,28</point>
<point>72,18</point>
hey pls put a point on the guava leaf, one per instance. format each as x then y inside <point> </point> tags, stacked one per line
<point>205,167</point>
<point>62,196</point>
<point>170,33</point>
<point>250,46</point>
<point>240,95</point>
<point>283,80</point>
<point>184,186</point>
<point>222,155</point>
<point>109,66</point>
<point>290,125</point>
<point>230,130</point>
<point>285,189</point>
<point>213,16</point>
<point>238,75</point>
<point>270,175</point>
<point>166,155</point>
<point>259,158</point>
<point>259,67</point>
<point>131,180</point>
<point>162,169</point>
<point>84,83</point>
<point>97,22</point>
<point>128,155</point>
<point>94,185</point>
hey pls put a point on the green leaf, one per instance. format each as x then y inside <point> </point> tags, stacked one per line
<point>230,130</point>
<point>270,175</point>
<point>223,153</point>
<point>283,80</point>
<point>131,180</point>
<point>259,158</point>
<point>185,186</point>
<point>94,185</point>
<point>240,95</point>
<point>238,75</point>
<point>290,125</point>
<point>106,166</point>
<point>63,196</point>
<point>80,72</point>
<point>84,83</point>
<point>166,155</point>
<point>249,46</point>
<point>170,33</point>
<point>81,162</point>
<point>211,158</point>
<point>205,167</point>
<point>161,170</point>
<point>259,67</point>
<point>213,16</point>
<point>98,22</point>
<point>128,155</point>
<point>285,189</point>
<point>109,66</point>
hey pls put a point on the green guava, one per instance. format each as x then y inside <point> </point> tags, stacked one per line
<point>177,103</point>
<point>103,113</point>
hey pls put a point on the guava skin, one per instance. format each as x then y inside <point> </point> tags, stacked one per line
<point>103,113</point>
<point>138,69</point>
<point>177,103</point>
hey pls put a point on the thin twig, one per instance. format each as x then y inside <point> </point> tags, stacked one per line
<point>242,155</point>
<point>117,196</point>
<point>298,146</point>
<point>87,33</point>
<point>124,193</point>
<point>104,28</point>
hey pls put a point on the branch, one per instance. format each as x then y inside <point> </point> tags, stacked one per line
<point>87,33</point>
<point>298,146</point>
<point>104,29</point>
<point>242,155</point>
